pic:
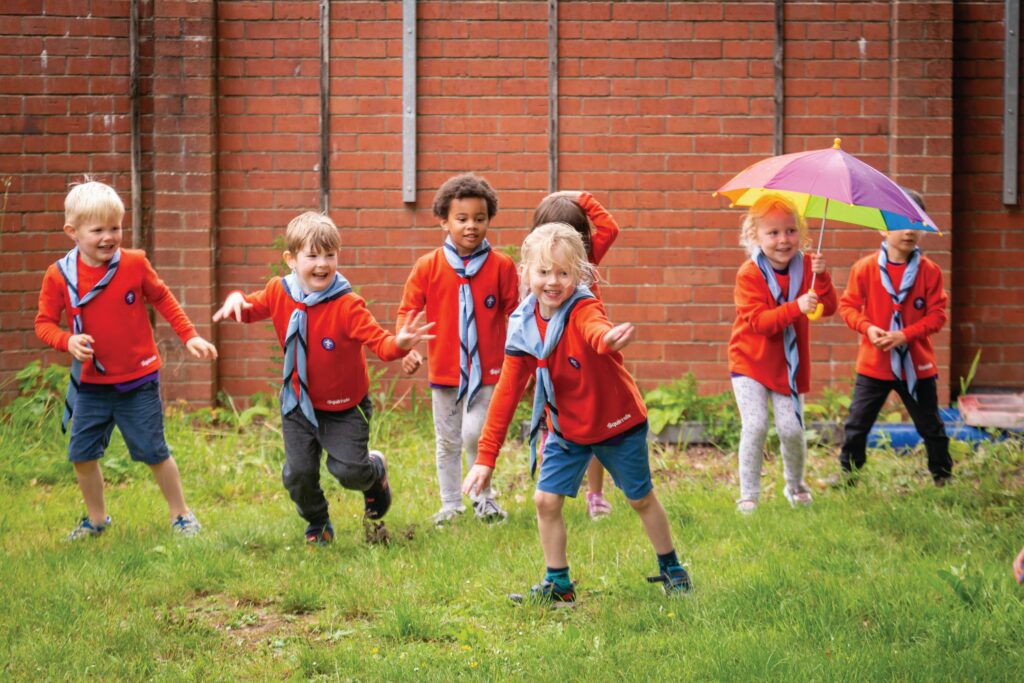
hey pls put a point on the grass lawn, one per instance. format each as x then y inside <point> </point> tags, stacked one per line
<point>894,580</point>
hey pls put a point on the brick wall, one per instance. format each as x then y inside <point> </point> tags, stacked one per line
<point>660,103</point>
<point>988,309</point>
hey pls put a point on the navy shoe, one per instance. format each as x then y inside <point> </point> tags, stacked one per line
<point>674,581</point>
<point>319,535</point>
<point>377,498</point>
<point>85,529</point>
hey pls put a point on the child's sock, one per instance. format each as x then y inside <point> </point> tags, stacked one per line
<point>559,577</point>
<point>668,561</point>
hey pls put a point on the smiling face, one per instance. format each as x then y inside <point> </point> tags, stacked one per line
<point>467,224</point>
<point>779,237</point>
<point>315,269</point>
<point>901,244</point>
<point>98,239</point>
<point>551,283</point>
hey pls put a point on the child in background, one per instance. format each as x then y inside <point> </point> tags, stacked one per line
<point>115,368</point>
<point>593,405</point>
<point>468,290</point>
<point>322,325</point>
<point>580,210</point>
<point>1018,567</point>
<point>769,350</point>
<point>895,299</point>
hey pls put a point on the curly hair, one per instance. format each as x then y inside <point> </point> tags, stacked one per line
<point>464,186</point>
<point>764,205</point>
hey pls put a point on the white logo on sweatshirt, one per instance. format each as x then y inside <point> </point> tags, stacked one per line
<point>337,401</point>
<point>147,361</point>
<point>616,423</point>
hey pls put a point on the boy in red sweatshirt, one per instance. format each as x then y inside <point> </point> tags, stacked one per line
<point>895,300</point>
<point>115,367</point>
<point>322,325</point>
<point>469,290</point>
<point>560,336</point>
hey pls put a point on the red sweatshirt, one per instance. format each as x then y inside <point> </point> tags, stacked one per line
<point>434,286</point>
<point>596,397</point>
<point>865,302</point>
<point>605,231</point>
<point>116,319</point>
<point>756,346</point>
<point>336,332</point>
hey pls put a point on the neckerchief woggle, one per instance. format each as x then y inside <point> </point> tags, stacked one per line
<point>899,357</point>
<point>68,267</point>
<point>470,371</point>
<point>295,342</point>
<point>524,339</point>
<point>789,345</point>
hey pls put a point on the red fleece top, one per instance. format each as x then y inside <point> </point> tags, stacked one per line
<point>604,234</point>
<point>756,346</point>
<point>336,332</point>
<point>434,286</point>
<point>116,319</point>
<point>596,397</point>
<point>865,302</point>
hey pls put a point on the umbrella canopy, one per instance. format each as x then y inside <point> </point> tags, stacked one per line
<point>830,184</point>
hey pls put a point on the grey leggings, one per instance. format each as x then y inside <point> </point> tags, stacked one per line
<point>752,398</point>
<point>457,427</point>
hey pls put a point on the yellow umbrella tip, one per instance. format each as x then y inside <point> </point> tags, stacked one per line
<point>837,144</point>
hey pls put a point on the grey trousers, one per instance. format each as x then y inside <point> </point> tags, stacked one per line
<point>457,427</point>
<point>345,436</point>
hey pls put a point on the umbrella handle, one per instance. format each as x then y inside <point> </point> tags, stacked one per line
<point>816,313</point>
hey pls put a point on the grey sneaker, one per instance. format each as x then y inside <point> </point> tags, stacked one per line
<point>186,525</point>
<point>447,514</point>
<point>487,510</point>
<point>85,529</point>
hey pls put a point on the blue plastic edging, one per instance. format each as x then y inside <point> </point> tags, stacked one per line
<point>904,435</point>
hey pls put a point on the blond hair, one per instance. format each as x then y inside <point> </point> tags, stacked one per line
<point>312,229</point>
<point>541,245</point>
<point>92,200</point>
<point>764,205</point>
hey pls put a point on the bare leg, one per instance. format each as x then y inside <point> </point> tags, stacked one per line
<point>169,481</point>
<point>90,482</point>
<point>655,522</point>
<point>595,477</point>
<point>552,528</point>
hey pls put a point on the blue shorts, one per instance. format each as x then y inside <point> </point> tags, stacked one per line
<point>624,456</point>
<point>138,414</point>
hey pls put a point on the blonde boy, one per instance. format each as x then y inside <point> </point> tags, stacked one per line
<point>115,367</point>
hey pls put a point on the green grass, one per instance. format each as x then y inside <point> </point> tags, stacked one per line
<point>895,580</point>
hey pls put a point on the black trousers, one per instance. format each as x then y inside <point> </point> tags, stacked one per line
<point>869,395</point>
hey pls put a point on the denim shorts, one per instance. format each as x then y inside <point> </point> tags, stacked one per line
<point>138,414</point>
<point>624,456</point>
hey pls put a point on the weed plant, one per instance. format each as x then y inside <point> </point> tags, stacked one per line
<point>891,580</point>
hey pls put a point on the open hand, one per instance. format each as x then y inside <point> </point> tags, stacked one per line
<point>200,348</point>
<point>80,346</point>
<point>620,336</point>
<point>808,302</point>
<point>414,331</point>
<point>232,308</point>
<point>478,479</point>
<point>412,362</point>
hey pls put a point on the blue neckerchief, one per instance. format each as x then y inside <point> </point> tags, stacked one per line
<point>796,280</point>
<point>899,357</point>
<point>470,372</point>
<point>295,342</point>
<point>524,339</point>
<point>68,266</point>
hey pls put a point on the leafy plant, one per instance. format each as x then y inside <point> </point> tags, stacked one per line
<point>832,406</point>
<point>681,401</point>
<point>965,383</point>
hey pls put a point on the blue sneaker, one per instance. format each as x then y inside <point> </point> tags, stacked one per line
<point>319,535</point>
<point>546,592</point>
<point>674,581</point>
<point>85,529</point>
<point>186,525</point>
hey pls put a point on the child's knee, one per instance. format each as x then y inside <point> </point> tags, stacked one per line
<point>642,504</point>
<point>547,504</point>
<point>355,477</point>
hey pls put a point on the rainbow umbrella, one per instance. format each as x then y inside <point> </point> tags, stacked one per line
<point>829,183</point>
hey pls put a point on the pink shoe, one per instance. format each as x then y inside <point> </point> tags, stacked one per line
<point>597,506</point>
